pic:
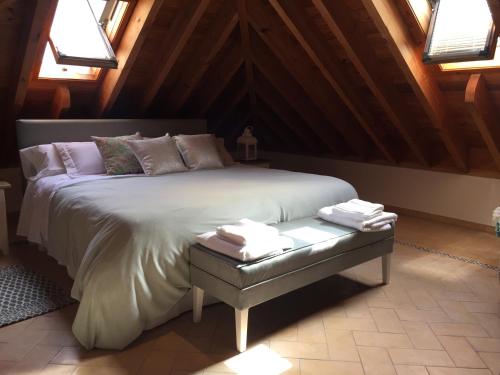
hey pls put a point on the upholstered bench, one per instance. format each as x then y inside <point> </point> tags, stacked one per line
<point>321,250</point>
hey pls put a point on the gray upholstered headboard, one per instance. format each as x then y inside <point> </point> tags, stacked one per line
<point>37,132</point>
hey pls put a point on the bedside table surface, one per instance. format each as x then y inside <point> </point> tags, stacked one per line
<point>4,185</point>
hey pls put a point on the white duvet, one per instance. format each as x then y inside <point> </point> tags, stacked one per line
<point>125,240</point>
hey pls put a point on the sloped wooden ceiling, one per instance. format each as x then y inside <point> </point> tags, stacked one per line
<point>338,78</point>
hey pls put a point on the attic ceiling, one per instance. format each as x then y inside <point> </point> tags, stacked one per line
<point>339,78</point>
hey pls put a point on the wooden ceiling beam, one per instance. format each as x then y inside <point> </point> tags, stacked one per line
<point>294,94</point>
<point>418,13</point>
<point>216,79</point>
<point>177,37</point>
<point>245,49</point>
<point>484,113</point>
<point>32,53</point>
<point>409,58</point>
<point>134,36</point>
<point>61,101</point>
<point>495,12</point>
<point>342,25</point>
<point>218,34</point>
<point>276,36</point>
<point>293,18</point>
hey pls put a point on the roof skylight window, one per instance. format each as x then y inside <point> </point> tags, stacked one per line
<point>460,30</point>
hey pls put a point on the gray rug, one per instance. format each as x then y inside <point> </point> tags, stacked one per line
<point>25,294</point>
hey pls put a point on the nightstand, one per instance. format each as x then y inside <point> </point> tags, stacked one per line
<point>4,234</point>
<point>261,163</point>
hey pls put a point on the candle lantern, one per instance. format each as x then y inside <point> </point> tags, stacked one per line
<point>247,145</point>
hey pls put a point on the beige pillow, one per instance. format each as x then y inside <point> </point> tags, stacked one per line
<point>199,151</point>
<point>225,156</point>
<point>118,156</point>
<point>157,155</point>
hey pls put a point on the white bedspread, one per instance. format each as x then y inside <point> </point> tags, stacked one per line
<point>125,240</point>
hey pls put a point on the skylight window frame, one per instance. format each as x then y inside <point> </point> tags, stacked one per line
<point>486,54</point>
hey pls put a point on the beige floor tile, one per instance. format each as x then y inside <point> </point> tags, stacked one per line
<point>457,371</point>
<point>301,350</point>
<point>457,312</point>
<point>14,352</point>
<point>311,332</point>
<point>490,322</point>
<point>458,329</point>
<point>387,320</point>
<point>385,340</point>
<point>195,361</point>
<point>102,370</point>
<point>314,367</point>
<point>289,333</point>
<point>411,370</point>
<point>173,342</point>
<point>461,352</point>
<point>482,307</point>
<point>341,345</point>
<point>492,360</point>
<point>422,299</point>
<point>335,322</point>
<point>376,361</point>
<point>5,366</point>
<point>420,357</point>
<point>57,370</point>
<point>421,335</point>
<point>485,344</point>
<point>59,338</point>
<point>157,362</point>
<point>428,316</point>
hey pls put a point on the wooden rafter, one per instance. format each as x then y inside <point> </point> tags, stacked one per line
<point>343,27</point>
<point>418,13</point>
<point>287,114</point>
<point>178,35</point>
<point>218,34</point>
<point>245,49</point>
<point>262,19</point>
<point>495,12</point>
<point>61,101</point>
<point>217,78</point>
<point>408,56</point>
<point>293,93</point>
<point>135,34</point>
<point>32,53</point>
<point>484,114</point>
<point>294,20</point>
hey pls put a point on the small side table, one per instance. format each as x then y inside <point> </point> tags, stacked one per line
<point>4,234</point>
<point>261,163</point>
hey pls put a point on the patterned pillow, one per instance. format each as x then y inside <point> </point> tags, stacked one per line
<point>118,156</point>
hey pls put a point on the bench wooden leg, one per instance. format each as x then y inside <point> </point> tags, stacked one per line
<point>241,318</point>
<point>386,268</point>
<point>198,294</point>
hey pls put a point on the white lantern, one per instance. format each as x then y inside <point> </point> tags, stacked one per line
<point>247,145</point>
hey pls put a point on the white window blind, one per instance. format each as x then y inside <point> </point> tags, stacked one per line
<point>461,30</point>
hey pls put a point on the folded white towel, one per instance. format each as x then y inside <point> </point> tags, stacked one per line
<point>246,232</point>
<point>354,209</point>
<point>244,253</point>
<point>370,205</point>
<point>380,222</point>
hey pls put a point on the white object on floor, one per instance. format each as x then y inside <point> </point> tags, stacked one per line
<point>246,232</point>
<point>244,253</point>
<point>4,235</point>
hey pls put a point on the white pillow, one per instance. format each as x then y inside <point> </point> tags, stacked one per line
<point>225,156</point>
<point>199,151</point>
<point>41,161</point>
<point>81,158</point>
<point>157,155</point>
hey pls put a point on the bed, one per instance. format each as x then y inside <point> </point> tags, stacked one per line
<point>125,239</point>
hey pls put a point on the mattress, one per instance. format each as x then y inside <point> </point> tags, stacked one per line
<point>125,240</point>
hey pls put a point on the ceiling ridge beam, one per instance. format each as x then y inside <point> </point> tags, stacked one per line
<point>277,37</point>
<point>304,36</point>
<point>484,114</point>
<point>342,26</point>
<point>407,53</point>
<point>135,34</point>
<point>245,49</point>
<point>176,39</point>
<point>218,34</point>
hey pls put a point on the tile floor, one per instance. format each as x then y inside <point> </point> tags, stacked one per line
<point>438,316</point>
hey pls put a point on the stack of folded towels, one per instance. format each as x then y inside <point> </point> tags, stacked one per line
<point>246,240</point>
<point>362,215</point>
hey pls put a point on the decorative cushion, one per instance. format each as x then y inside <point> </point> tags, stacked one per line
<point>225,156</point>
<point>157,155</point>
<point>41,161</point>
<point>118,156</point>
<point>199,151</point>
<point>80,158</point>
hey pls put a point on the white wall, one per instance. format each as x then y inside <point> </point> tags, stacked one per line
<point>456,196</point>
